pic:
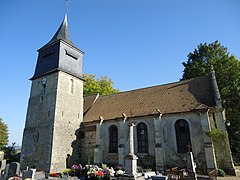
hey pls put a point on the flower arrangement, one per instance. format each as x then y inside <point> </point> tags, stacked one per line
<point>54,174</point>
<point>15,178</point>
<point>91,172</point>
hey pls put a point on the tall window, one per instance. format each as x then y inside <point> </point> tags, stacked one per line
<point>182,136</point>
<point>113,139</point>
<point>142,138</point>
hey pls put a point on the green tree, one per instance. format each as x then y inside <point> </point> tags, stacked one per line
<point>102,85</point>
<point>227,68</point>
<point>11,154</point>
<point>3,134</point>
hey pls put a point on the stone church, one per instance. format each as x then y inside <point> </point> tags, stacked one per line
<point>170,120</point>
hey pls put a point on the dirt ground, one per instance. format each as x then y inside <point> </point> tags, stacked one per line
<point>232,177</point>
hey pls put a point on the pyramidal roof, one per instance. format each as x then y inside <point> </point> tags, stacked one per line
<point>62,33</point>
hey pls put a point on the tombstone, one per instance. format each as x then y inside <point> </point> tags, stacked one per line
<point>39,175</point>
<point>2,166</point>
<point>148,175</point>
<point>159,177</point>
<point>5,173</point>
<point>12,169</point>
<point>191,166</point>
<point>28,174</point>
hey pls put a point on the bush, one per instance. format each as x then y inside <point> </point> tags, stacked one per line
<point>221,173</point>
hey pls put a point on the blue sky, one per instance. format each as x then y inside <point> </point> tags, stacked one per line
<point>137,43</point>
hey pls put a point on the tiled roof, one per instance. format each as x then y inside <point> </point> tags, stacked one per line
<point>183,96</point>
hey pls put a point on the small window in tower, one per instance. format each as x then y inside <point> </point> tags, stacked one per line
<point>44,88</point>
<point>44,83</point>
<point>37,136</point>
<point>72,85</point>
<point>48,54</point>
<point>48,113</point>
<point>41,99</point>
<point>70,54</point>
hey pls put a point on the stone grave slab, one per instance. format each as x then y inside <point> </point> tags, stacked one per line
<point>28,174</point>
<point>159,177</point>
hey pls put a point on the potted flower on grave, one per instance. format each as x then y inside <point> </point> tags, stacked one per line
<point>76,170</point>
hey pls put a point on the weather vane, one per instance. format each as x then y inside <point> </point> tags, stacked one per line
<point>66,6</point>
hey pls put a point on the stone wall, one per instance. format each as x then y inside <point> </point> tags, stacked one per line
<point>87,143</point>
<point>162,143</point>
<point>68,117</point>
<point>170,157</point>
<point>54,114</point>
<point>37,136</point>
<point>221,146</point>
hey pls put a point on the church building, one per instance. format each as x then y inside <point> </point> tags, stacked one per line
<point>170,119</point>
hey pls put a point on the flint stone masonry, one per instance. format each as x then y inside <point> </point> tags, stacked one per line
<point>50,123</point>
<point>167,140</point>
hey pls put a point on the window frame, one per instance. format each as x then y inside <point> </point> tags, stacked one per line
<point>142,139</point>
<point>183,136</point>
<point>113,139</point>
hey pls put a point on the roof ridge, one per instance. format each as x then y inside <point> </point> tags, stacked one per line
<point>138,89</point>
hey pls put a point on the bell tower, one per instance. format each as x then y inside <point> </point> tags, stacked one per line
<point>55,107</point>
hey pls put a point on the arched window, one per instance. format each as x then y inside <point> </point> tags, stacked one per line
<point>142,138</point>
<point>182,136</point>
<point>113,139</point>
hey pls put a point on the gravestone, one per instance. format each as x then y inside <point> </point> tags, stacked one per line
<point>148,175</point>
<point>159,177</point>
<point>5,173</point>
<point>39,175</point>
<point>28,174</point>
<point>2,166</point>
<point>12,169</point>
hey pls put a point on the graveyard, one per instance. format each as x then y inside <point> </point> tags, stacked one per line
<point>176,154</point>
<point>131,170</point>
<point>171,131</point>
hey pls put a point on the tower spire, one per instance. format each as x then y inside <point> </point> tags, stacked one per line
<point>215,88</point>
<point>62,33</point>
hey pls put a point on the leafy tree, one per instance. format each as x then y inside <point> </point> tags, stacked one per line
<point>11,154</point>
<point>102,85</point>
<point>3,134</point>
<point>227,68</point>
